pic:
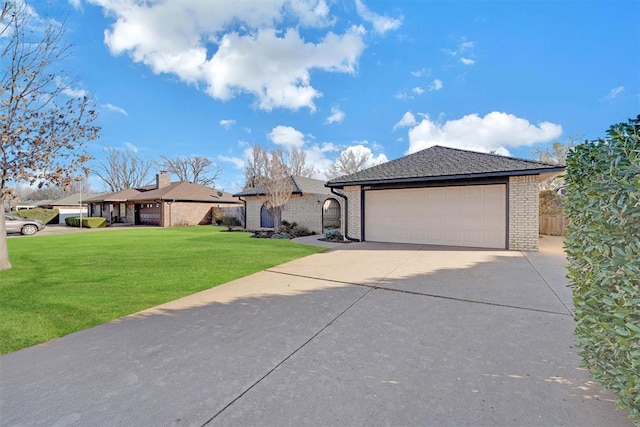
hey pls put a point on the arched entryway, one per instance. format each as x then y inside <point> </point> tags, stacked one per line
<point>266,219</point>
<point>331,215</point>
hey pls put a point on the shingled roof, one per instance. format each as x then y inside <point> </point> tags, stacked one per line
<point>118,196</point>
<point>440,163</point>
<point>301,185</point>
<point>185,191</point>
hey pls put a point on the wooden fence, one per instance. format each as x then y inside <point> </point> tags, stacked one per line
<point>553,225</point>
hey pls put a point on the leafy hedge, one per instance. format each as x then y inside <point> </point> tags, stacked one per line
<point>603,246</point>
<point>45,215</point>
<point>90,222</point>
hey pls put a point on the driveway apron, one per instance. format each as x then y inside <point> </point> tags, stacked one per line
<point>369,334</point>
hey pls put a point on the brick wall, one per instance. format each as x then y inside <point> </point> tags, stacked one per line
<point>186,213</point>
<point>523,213</point>
<point>354,194</point>
<point>306,210</point>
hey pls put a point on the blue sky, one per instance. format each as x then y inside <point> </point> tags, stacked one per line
<point>212,77</point>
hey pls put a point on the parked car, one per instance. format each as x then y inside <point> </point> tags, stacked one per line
<point>26,226</point>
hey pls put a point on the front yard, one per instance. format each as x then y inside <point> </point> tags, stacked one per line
<point>60,284</point>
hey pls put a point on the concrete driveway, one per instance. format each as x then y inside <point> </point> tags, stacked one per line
<point>369,334</point>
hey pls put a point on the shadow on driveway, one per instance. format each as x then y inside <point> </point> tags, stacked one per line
<point>353,337</point>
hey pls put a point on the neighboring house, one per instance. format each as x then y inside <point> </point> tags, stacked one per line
<point>69,206</point>
<point>445,196</point>
<point>311,205</point>
<point>165,204</point>
<point>115,207</point>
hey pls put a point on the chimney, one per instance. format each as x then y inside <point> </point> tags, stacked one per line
<point>163,179</point>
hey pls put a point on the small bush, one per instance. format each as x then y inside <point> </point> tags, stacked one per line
<point>230,222</point>
<point>48,216</point>
<point>294,230</point>
<point>333,235</point>
<point>602,244</point>
<point>90,222</point>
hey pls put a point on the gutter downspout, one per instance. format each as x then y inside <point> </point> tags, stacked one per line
<point>346,216</point>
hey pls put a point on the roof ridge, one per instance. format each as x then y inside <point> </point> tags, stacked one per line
<point>522,159</point>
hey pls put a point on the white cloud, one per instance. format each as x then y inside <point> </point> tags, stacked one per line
<point>436,85</point>
<point>129,146</point>
<point>230,48</point>
<point>276,69</point>
<point>407,120</point>
<point>75,93</point>
<point>116,109</point>
<point>495,131</point>
<point>227,123</point>
<point>403,96</point>
<point>613,93</point>
<point>237,162</point>
<point>317,156</point>
<point>68,90</point>
<point>381,24</point>
<point>464,50</point>
<point>423,72</point>
<point>76,4</point>
<point>286,136</point>
<point>417,90</point>
<point>362,150</point>
<point>337,116</point>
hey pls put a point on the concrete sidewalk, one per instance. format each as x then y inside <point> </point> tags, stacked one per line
<point>369,334</point>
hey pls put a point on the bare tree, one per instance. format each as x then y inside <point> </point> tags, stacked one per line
<point>555,154</point>
<point>196,169</point>
<point>278,186</point>
<point>298,165</point>
<point>123,169</point>
<point>256,167</point>
<point>350,161</point>
<point>43,131</point>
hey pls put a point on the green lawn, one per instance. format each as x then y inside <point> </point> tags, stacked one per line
<point>64,283</point>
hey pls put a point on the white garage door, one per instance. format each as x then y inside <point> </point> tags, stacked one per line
<point>471,216</point>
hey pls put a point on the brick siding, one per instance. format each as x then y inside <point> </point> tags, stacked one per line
<point>306,210</point>
<point>523,213</point>
<point>354,196</point>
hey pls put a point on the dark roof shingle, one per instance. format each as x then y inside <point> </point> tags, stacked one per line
<point>301,185</point>
<point>437,162</point>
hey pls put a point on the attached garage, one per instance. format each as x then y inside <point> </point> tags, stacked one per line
<point>448,197</point>
<point>148,214</point>
<point>473,216</point>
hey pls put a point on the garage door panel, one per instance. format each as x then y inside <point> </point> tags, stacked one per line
<point>453,216</point>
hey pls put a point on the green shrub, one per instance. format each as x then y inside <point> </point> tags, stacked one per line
<point>603,247</point>
<point>230,222</point>
<point>300,231</point>
<point>48,216</point>
<point>87,222</point>
<point>333,234</point>
<point>294,230</point>
<point>280,236</point>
